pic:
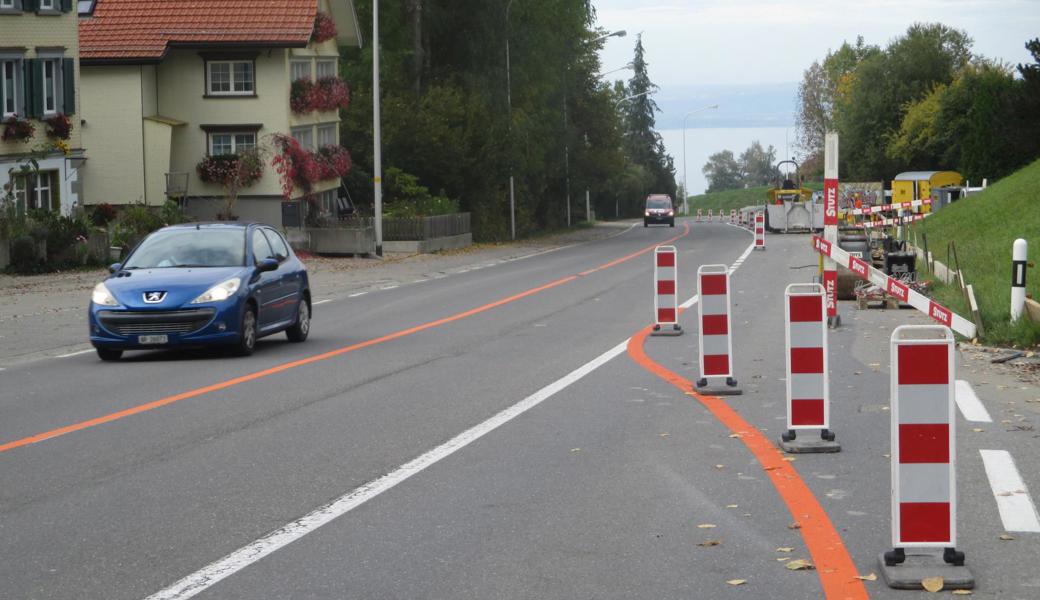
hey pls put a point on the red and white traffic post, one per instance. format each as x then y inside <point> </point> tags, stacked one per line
<point>808,389</point>
<point>732,216</point>
<point>711,215</point>
<point>760,230</point>
<point>714,336</point>
<point>666,307</point>
<point>699,213</point>
<point>924,449</point>
<point>830,225</point>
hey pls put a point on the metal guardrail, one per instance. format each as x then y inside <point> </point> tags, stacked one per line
<point>406,229</point>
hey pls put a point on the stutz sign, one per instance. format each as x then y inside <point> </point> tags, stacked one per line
<point>830,202</point>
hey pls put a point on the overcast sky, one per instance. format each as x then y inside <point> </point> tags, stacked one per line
<point>691,43</point>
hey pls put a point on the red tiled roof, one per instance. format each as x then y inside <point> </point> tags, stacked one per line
<point>142,29</point>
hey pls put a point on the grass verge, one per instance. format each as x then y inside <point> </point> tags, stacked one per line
<point>983,227</point>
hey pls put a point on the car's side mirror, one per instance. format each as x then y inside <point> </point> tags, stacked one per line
<point>114,267</point>
<point>266,265</point>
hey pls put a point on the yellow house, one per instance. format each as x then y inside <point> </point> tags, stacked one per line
<point>39,81</point>
<point>167,86</point>
<point>917,185</point>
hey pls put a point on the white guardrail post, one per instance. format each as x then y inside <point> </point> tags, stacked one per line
<point>1019,261</point>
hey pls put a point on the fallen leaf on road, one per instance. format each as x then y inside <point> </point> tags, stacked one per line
<point>789,458</point>
<point>709,543</point>
<point>932,584</point>
<point>732,505</point>
<point>575,449</point>
<point>857,372</point>
<point>785,549</point>
<point>664,435</point>
<point>978,429</point>
<point>736,435</point>
<point>1006,537</point>
<point>706,526</point>
<point>962,592</point>
<point>871,577</point>
<point>737,581</point>
<point>720,466</point>
<point>770,468</point>
<point>799,565</point>
<point>795,525</point>
<point>783,558</point>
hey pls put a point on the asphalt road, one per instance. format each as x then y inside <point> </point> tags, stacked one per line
<point>121,480</point>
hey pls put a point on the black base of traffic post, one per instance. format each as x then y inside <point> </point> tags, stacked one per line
<point>675,330</point>
<point>790,443</point>
<point>904,570</point>
<point>729,389</point>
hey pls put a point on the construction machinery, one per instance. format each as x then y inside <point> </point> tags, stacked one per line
<point>792,207</point>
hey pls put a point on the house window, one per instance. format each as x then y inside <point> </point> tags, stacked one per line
<point>37,190</point>
<point>326,135</point>
<point>230,143</point>
<point>46,4</point>
<point>305,137</point>
<point>326,68</point>
<point>10,86</point>
<point>9,4</point>
<point>51,85</point>
<point>230,78</point>
<point>300,69</point>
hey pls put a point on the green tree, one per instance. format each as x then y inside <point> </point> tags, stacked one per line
<point>757,164</point>
<point>643,144</point>
<point>723,172</point>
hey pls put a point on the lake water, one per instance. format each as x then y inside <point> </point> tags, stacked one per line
<point>702,143</point>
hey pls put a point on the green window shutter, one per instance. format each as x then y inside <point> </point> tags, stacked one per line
<point>18,4</point>
<point>30,5</point>
<point>37,88</point>
<point>29,85</point>
<point>68,86</point>
<point>55,190</point>
<point>66,5</point>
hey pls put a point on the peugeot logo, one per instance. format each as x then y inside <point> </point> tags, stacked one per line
<point>154,297</point>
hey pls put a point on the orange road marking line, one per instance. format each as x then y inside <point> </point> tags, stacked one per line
<point>47,435</point>
<point>837,571</point>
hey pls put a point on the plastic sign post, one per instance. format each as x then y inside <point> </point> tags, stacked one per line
<point>1019,262</point>
<point>830,224</point>
<point>666,308</point>
<point>760,231</point>
<point>808,389</point>
<point>714,336</point>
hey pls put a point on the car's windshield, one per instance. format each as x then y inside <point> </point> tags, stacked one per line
<point>658,203</point>
<point>182,247</point>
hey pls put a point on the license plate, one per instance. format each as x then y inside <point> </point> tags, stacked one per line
<point>152,339</point>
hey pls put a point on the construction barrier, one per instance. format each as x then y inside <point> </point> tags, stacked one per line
<point>666,307</point>
<point>699,213</point>
<point>890,222</point>
<point>732,216</point>
<point>896,288</point>
<point>760,230</point>
<point>887,207</point>
<point>924,485</point>
<point>808,390</point>
<point>711,216</point>
<point>714,337</point>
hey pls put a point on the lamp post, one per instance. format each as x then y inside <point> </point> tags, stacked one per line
<point>509,105</point>
<point>377,134</point>
<point>627,98</point>
<point>624,68</point>
<point>685,184</point>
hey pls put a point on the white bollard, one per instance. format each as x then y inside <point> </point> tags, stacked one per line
<point>1019,257</point>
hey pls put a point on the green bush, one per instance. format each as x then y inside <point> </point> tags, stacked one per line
<point>405,197</point>
<point>140,220</point>
<point>23,256</point>
<point>171,213</point>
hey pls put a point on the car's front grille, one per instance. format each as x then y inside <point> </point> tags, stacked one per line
<point>149,323</point>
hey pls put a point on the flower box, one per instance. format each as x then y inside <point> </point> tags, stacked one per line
<point>19,130</point>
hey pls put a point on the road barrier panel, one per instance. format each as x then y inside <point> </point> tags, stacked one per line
<point>732,216</point>
<point>666,281</point>
<point>714,336</point>
<point>896,288</point>
<point>808,389</point>
<point>924,460</point>
<point>1019,261</point>
<point>760,230</point>
<point>700,212</point>
<point>711,215</point>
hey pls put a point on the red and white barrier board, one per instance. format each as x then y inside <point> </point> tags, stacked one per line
<point>666,307</point>
<point>890,222</point>
<point>896,288</point>
<point>760,230</point>
<point>924,491</point>
<point>699,213</point>
<point>732,216</point>
<point>808,392</point>
<point>711,215</point>
<point>714,338</point>
<point>887,207</point>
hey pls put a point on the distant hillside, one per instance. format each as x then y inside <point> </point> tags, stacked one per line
<point>983,227</point>
<point>736,198</point>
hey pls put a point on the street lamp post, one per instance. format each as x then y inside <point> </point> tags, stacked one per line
<point>509,105</point>
<point>685,182</point>
<point>377,135</point>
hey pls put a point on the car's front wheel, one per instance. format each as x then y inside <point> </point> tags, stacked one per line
<point>298,332</point>
<point>247,333</point>
<point>108,354</point>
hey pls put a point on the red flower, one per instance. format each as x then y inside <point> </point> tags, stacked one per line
<point>324,28</point>
<point>59,126</point>
<point>20,130</point>
<point>299,168</point>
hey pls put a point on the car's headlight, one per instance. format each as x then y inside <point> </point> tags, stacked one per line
<point>219,292</point>
<point>103,297</point>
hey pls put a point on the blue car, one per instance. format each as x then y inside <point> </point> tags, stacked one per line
<point>202,284</point>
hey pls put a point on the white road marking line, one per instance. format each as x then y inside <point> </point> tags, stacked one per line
<point>969,403</point>
<point>690,302</point>
<point>1017,510</point>
<point>355,295</point>
<point>243,557</point>
<point>322,301</point>
<point>77,353</point>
